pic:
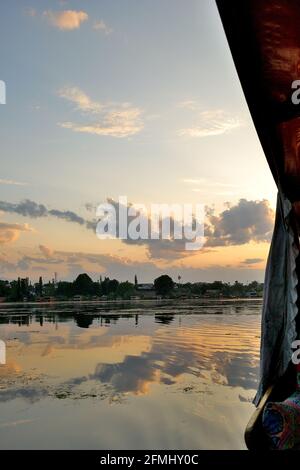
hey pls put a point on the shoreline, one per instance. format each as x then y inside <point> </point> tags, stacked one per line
<point>135,301</point>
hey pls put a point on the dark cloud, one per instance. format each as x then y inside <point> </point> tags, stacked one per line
<point>28,208</point>
<point>125,269</point>
<point>247,221</point>
<point>168,249</point>
<point>69,216</point>
<point>252,260</point>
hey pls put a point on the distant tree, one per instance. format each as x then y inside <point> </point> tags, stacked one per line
<point>97,288</point>
<point>83,285</point>
<point>198,288</point>
<point>64,289</point>
<point>113,285</point>
<point>125,290</point>
<point>254,285</point>
<point>135,281</point>
<point>19,292</point>
<point>14,294</point>
<point>40,288</point>
<point>49,289</point>
<point>104,286</point>
<point>109,286</point>
<point>217,285</point>
<point>24,287</point>
<point>238,289</point>
<point>163,285</point>
<point>5,289</point>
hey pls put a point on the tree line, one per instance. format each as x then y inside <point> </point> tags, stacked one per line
<point>83,286</point>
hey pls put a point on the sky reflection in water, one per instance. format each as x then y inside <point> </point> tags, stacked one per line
<point>132,378</point>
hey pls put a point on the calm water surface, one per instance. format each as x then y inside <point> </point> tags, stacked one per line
<point>154,376</point>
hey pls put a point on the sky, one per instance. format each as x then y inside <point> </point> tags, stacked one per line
<point>134,98</point>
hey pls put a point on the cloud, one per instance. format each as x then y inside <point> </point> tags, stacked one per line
<point>28,208</point>
<point>115,124</point>
<point>12,182</point>
<point>247,221</point>
<point>78,262</point>
<point>204,181</point>
<point>90,207</point>
<point>248,261</point>
<point>194,181</point>
<point>218,188</point>
<point>69,216</point>
<point>46,251</point>
<point>66,20</point>
<point>211,123</point>
<point>11,232</point>
<point>188,104</point>
<point>70,264</point>
<point>103,27</point>
<point>159,249</point>
<point>114,119</point>
<point>82,101</point>
<point>25,208</point>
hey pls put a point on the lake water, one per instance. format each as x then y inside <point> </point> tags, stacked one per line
<point>128,376</point>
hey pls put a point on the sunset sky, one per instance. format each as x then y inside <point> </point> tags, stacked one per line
<point>125,97</point>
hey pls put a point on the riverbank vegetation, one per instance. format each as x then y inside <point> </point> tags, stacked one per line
<point>84,288</point>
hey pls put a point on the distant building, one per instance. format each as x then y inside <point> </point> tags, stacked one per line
<point>252,293</point>
<point>147,287</point>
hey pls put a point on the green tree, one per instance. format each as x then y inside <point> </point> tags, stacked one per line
<point>109,286</point>
<point>83,285</point>
<point>4,289</point>
<point>64,289</point>
<point>163,285</point>
<point>19,292</point>
<point>40,288</point>
<point>125,290</point>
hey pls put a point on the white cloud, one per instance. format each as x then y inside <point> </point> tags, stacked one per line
<point>194,180</point>
<point>66,20</point>
<point>250,261</point>
<point>82,101</point>
<point>218,188</point>
<point>103,27</point>
<point>211,123</point>
<point>206,182</point>
<point>188,104</point>
<point>115,124</point>
<point>12,182</point>
<point>245,222</point>
<point>115,119</point>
